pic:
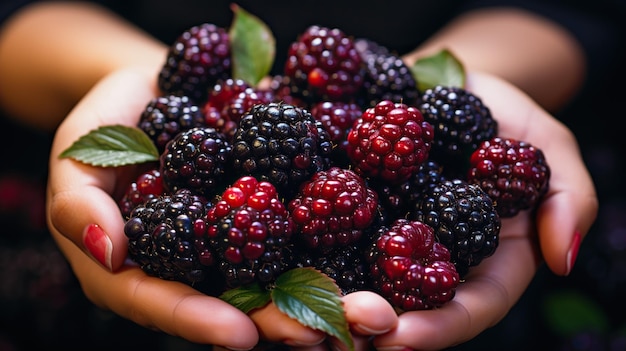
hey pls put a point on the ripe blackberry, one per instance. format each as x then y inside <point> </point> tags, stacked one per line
<point>198,159</point>
<point>147,186</point>
<point>461,122</point>
<point>196,60</point>
<point>323,64</point>
<point>166,116</point>
<point>333,208</point>
<point>389,142</point>
<point>167,237</point>
<point>250,229</point>
<point>338,117</point>
<point>514,173</point>
<point>410,269</point>
<point>397,200</point>
<point>282,144</point>
<point>386,77</point>
<point>464,219</point>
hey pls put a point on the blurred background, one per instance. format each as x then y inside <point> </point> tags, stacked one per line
<point>42,304</point>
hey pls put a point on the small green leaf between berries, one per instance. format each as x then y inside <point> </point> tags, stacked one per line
<point>247,298</point>
<point>442,68</point>
<point>112,146</point>
<point>314,300</point>
<point>253,47</point>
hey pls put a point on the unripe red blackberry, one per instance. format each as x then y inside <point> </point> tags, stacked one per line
<point>333,208</point>
<point>147,186</point>
<point>196,60</point>
<point>198,159</point>
<point>323,64</point>
<point>166,116</point>
<point>250,230</point>
<point>338,118</point>
<point>410,269</point>
<point>389,142</point>
<point>514,173</point>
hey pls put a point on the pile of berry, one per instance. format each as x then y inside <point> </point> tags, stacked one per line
<point>340,164</point>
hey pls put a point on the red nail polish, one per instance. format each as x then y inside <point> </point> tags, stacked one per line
<point>573,252</point>
<point>98,244</point>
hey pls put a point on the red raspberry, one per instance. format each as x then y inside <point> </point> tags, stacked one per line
<point>514,173</point>
<point>389,142</point>
<point>333,208</point>
<point>410,269</point>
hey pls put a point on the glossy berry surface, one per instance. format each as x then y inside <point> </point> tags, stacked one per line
<point>147,186</point>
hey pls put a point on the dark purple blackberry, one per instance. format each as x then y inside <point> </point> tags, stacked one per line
<point>166,116</point>
<point>198,159</point>
<point>282,144</point>
<point>464,219</point>
<point>386,77</point>
<point>167,237</point>
<point>250,230</point>
<point>323,64</point>
<point>461,122</point>
<point>198,58</point>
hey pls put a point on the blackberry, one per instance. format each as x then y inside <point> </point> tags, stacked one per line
<point>409,268</point>
<point>461,122</point>
<point>464,219</point>
<point>323,64</point>
<point>166,116</point>
<point>167,237</point>
<point>198,159</point>
<point>148,185</point>
<point>338,118</point>
<point>282,144</point>
<point>250,229</point>
<point>514,173</point>
<point>389,142</point>
<point>196,60</point>
<point>333,208</point>
<point>386,77</point>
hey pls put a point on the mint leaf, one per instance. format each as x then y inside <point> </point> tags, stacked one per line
<point>442,68</point>
<point>247,298</point>
<point>252,46</point>
<point>313,299</point>
<point>112,146</point>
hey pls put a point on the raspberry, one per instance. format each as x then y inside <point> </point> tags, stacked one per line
<point>389,142</point>
<point>410,269</point>
<point>196,60</point>
<point>333,208</point>
<point>166,237</point>
<point>514,173</point>
<point>461,122</point>
<point>323,64</point>
<point>148,185</point>
<point>387,77</point>
<point>250,230</point>
<point>282,144</point>
<point>464,219</point>
<point>198,159</point>
<point>338,118</point>
<point>166,116</point>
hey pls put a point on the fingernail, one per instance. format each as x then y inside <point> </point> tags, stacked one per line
<point>369,331</point>
<point>98,244</point>
<point>394,348</point>
<point>298,343</point>
<point>573,252</point>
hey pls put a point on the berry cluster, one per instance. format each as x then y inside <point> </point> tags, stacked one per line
<point>340,164</point>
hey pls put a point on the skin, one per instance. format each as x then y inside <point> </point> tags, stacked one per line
<point>115,77</point>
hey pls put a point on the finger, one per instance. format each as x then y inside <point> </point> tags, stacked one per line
<point>277,327</point>
<point>489,292</point>
<point>168,306</point>
<point>359,308</point>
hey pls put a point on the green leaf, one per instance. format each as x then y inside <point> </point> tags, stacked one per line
<point>442,68</point>
<point>569,313</point>
<point>112,146</point>
<point>253,46</point>
<point>313,299</point>
<point>247,298</point>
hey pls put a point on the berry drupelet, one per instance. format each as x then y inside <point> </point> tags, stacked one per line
<point>147,186</point>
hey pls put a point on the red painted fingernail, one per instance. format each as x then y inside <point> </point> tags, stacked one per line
<point>98,244</point>
<point>573,252</point>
